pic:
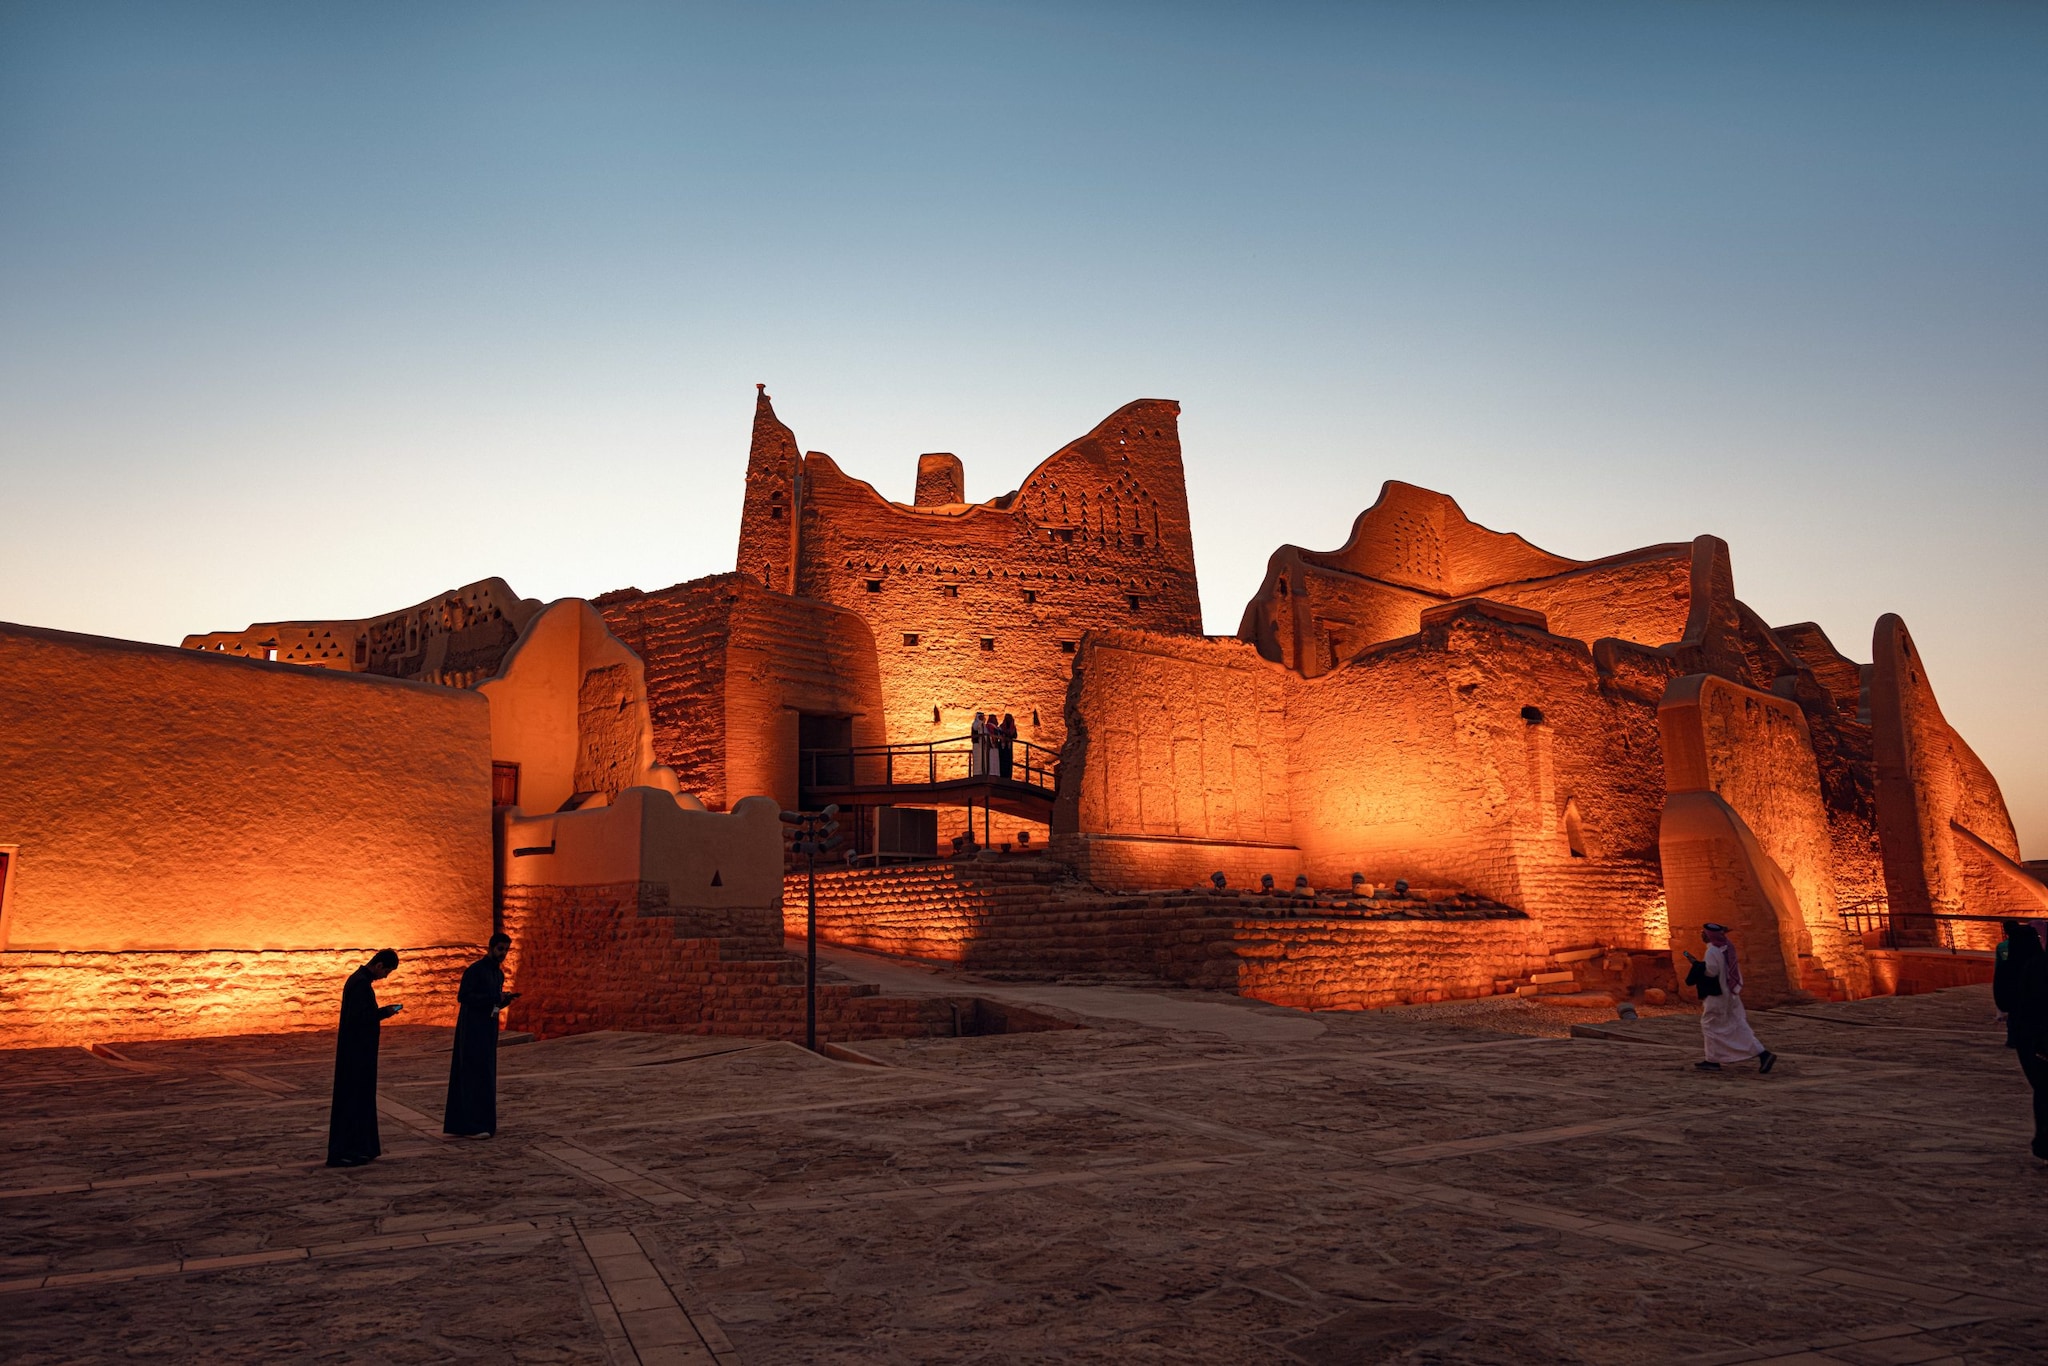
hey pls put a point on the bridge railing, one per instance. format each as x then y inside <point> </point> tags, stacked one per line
<point>925,763</point>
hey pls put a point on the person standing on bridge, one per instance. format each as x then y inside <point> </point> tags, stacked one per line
<point>1006,744</point>
<point>977,749</point>
<point>1723,1022</point>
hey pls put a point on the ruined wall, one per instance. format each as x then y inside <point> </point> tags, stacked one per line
<point>1174,766</point>
<point>1928,782</point>
<point>1752,750</point>
<point>1482,752</point>
<point>1414,549</point>
<point>453,639</point>
<point>768,525</point>
<point>979,607</point>
<point>1834,700</point>
<point>729,668</point>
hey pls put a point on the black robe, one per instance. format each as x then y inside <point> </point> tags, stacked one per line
<point>2028,1020</point>
<point>473,1070</point>
<point>352,1123</point>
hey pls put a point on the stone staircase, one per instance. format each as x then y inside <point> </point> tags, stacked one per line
<point>1031,918</point>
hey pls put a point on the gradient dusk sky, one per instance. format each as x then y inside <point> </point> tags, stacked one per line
<point>315,310</point>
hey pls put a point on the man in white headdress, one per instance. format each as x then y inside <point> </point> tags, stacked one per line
<point>1723,1022</point>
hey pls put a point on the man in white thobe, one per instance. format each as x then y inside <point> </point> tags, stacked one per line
<point>1723,1023</point>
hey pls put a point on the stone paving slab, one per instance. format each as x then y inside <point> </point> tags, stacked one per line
<point>1441,1184</point>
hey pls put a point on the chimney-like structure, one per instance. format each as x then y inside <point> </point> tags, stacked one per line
<point>941,479</point>
<point>773,506</point>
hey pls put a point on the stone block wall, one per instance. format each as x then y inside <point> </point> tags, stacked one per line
<point>730,665</point>
<point>978,606</point>
<point>58,999</point>
<point>1929,781</point>
<point>1315,953</point>
<point>611,957</point>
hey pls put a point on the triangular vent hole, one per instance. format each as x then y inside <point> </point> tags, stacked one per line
<point>716,880</point>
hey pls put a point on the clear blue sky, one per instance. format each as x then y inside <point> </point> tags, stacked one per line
<point>317,309</point>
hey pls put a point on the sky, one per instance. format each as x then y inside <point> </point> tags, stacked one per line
<point>316,310</point>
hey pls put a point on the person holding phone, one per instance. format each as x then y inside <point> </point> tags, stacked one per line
<point>352,1120</point>
<point>1724,1025</point>
<point>472,1109</point>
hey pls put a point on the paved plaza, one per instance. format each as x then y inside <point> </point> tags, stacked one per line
<point>1189,1178</point>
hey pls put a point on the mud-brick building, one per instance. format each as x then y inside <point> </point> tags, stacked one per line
<point>1434,760</point>
<point>981,606</point>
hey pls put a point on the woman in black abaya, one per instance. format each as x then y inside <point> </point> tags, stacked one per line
<point>352,1123</point>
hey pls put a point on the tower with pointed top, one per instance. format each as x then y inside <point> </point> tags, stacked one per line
<point>769,517</point>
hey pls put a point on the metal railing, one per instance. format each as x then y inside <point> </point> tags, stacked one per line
<point>927,763</point>
<point>1872,922</point>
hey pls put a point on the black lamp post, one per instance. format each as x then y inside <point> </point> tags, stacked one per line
<point>817,832</point>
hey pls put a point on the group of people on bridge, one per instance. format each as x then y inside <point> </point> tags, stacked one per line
<point>994,745</point>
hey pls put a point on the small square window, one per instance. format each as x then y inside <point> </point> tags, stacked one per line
<point>1137,603</point>
<point>1138,539</point>
<point>1031,595</point>
<point>775,512</point>
<point>910,637</point>
<point>874,585</point>
<point>951,590</point>
<point>988,642</point>
<point>1067,647</point>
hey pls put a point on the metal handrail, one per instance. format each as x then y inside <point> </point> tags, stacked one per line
<point>1885,924</point>
<point>928,762</point>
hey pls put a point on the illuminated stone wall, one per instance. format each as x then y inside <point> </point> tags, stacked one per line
<point>978,606</point>
<point>622,956</point>
<point>201,843</point>
<point>1948,841</point>
<point>569,712</point>
<point>1414,549</point>
<point>1030,917</point>
<point>1480,752</point>
<point>730,666</point>
<point>60,999</point>
<point>1751,751</point>
<point>1174,767</point>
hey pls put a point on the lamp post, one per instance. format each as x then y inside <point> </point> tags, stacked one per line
<point>817,832</point>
